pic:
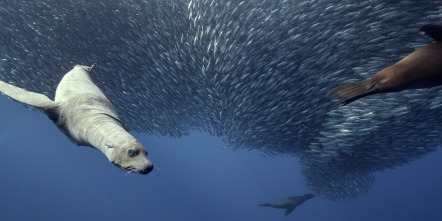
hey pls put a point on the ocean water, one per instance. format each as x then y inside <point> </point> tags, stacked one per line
<point>229,98</point>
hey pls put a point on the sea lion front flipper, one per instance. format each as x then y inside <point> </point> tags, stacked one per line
<point>433,30</point>
<point>289,210</point>
<point>40,101</point>
<point>351,92</point>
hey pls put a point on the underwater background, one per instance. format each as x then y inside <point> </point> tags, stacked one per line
<point>230,100</point>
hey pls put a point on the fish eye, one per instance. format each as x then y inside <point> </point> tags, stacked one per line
<point>132,152</point>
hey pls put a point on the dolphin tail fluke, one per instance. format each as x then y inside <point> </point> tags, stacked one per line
<point>289,210</point>
<point>264,205</point>
<point>40,101</point>
<point>351,92</point>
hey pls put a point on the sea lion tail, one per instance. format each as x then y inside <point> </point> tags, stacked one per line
<point>351,92</point>
<point>264,205</point>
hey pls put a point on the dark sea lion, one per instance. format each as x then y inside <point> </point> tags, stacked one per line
<point>85,115</point>
<point>289,203</point>
<point>420,69</point>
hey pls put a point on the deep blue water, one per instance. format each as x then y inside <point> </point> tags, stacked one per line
<point>45,177</point>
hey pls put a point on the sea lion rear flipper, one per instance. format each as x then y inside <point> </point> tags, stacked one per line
<point>433,30</point>
<point>40,101</point>
<point>289,210</point>
<point>351,92</point>
<point>265,205</point>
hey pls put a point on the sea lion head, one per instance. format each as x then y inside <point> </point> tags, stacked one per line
<point>129,156</point>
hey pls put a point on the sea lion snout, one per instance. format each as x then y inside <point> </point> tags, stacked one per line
<point>141,166</point>
<point>147,169</point>
<point>130,156</point>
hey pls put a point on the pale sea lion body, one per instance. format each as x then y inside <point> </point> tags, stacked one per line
<point>289,203</point>
<point>420,69</point>
<point>85,115</point>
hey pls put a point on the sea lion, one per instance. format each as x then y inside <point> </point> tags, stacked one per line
<point>289,203</point>
<point>85,115</point>
<point>420,69</point>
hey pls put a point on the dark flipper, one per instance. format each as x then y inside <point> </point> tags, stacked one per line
<point>265,205</point>
<point>433,30</point>
<point>289,210</point>
<point>351,92</point>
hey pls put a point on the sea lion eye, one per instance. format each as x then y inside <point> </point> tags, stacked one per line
<point>132,152</point>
